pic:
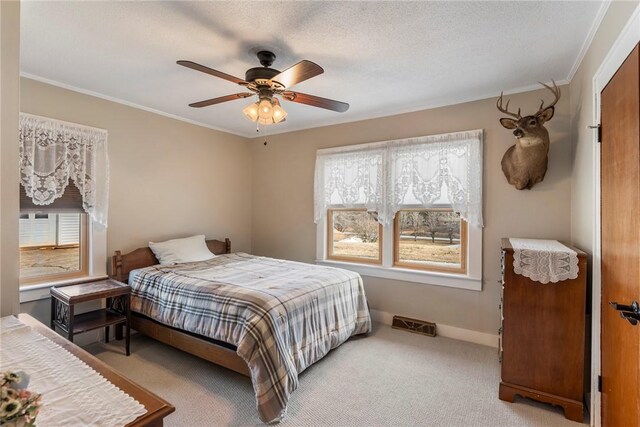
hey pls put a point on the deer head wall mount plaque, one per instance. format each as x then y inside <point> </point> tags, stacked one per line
<point>525,163</point>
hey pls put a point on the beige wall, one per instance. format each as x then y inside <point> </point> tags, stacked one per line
<point>9,107</point>
<point>582,97</point>
<point>168,178</point>
<point>283,201</point>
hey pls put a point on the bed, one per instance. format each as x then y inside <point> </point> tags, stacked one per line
<point>265,318</point>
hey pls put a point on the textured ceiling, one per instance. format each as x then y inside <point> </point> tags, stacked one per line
<point>383,58</point>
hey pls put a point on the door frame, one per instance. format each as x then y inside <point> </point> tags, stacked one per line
<point>628,38</point>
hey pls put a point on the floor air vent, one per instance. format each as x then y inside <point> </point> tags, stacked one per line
<point>414,325</point>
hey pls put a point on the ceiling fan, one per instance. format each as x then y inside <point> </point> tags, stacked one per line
<point>266,82</point>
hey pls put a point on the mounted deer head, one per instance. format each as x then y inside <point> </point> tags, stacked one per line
<point>525,163</point>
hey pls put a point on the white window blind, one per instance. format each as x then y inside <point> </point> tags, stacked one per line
<point>388,176</point>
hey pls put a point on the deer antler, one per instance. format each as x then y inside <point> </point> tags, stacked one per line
<point>556,93</point>
<point>505,110</point>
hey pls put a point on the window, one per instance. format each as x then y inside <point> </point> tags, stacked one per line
<point>53,246</point>
<point>407,209</point>
<point>354,235</point>
<point>430,239</point>
<point>63,204</point>
<point>53,238</point>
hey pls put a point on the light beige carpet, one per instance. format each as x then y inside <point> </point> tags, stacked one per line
<point>389,378</point>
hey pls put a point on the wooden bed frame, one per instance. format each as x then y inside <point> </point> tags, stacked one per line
<point>218,352</point>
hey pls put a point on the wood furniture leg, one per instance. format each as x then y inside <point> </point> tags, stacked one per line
<point>128,326</point>
<point>71,310</point>
<point>573,410</point>
<point>123,304</point>
<point>53,313</point>
<point>106,328</point>
<point>119,333</point>
<point>506,393</point>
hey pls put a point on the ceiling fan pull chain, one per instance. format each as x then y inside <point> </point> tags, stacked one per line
<point>258,130</point>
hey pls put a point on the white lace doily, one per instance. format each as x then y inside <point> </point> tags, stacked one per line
<point>544,260</point>
<point>73,394</point>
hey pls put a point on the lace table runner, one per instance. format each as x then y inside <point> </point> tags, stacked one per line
<point>544,260</point>
<point>73,394</point>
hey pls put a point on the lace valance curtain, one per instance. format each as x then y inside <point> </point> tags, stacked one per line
<point>385,177</point>
<point>52,152</point>
<point>351,179</point>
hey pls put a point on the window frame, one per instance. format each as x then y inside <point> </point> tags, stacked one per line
<point>84,258</point>
<point>329,252</point>
<point>425,267</point>
<point>472,280</point>
<point>96,268</point>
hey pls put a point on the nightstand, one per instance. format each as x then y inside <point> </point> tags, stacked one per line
<point>117,312</point>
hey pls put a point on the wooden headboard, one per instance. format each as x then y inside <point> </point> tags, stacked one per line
<point>122,265</point>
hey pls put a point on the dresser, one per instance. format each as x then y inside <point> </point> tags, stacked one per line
<point>37,336</point>
<point>543,337</point>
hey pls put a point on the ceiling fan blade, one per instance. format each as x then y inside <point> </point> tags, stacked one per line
<point>315,101</point>
<point>211,71</point>
<point>297,73</point>
<point>220,99</point>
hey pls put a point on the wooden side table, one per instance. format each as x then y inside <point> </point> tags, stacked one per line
<point>117,312</point>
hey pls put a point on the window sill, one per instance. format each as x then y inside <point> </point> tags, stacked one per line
<point>450,280</point>
<point>40,291</point>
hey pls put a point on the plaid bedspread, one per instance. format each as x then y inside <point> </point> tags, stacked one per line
<point>281,315</point>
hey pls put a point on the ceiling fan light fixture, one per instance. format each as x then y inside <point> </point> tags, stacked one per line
<point>266,111</point>
<point>279,113</point>
<point>251,111</point>
<point>265,121</point>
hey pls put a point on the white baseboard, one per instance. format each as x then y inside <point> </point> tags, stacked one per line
<point>447,331</point>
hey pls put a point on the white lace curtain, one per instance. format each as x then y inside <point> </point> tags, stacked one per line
<point>53,152</point>
<point>350,179</point>
<point>388,176</point>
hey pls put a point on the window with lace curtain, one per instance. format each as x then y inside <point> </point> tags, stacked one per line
<point>409,209</point>
<point>64,186</point>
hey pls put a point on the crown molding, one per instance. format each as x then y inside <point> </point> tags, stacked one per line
<point>270,131</point>
<point>127,103</point>
<point>602,11</point>
<point>438,103</point>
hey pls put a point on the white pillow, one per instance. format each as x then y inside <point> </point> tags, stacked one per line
<point>189,249</point>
